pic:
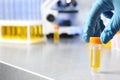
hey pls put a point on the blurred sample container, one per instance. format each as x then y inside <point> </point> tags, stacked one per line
<point>56,34</point>
<point>28,31</point>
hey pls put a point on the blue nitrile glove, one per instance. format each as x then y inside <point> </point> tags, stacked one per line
<point>94,22</point>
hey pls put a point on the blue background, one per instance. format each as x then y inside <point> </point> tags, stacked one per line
<point>20,10</point>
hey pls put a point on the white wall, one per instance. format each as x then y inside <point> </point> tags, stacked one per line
<point>85,6</point>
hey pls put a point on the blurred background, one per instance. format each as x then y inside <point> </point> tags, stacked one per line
<point>69,15</point>
<point>31,9</point>
<point>37,21</point>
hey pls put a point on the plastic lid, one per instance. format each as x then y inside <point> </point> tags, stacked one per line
<point>95,40</point>
<point>56,27</point>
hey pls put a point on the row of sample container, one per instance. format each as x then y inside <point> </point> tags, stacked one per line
<point>21,31</point>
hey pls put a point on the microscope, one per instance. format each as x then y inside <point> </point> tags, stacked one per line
<point>63,13</point>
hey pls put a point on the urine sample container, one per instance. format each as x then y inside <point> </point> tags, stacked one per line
<point>40,30</point>
<point>13,32</point>
<point>24,32</point>
<point>8,32</point>
<point>32,32</point>
<point>56,34</point>
<point>95,53</point>
<point>21,32</point>
<point>4,31</point>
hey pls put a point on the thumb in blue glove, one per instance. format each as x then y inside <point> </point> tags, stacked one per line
<point>94,23</point>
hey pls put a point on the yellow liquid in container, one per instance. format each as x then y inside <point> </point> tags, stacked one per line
<point>8,32</point>
<point>40,31</point>
<point>56,36</point>
<point>32,33</point>
<point>95,59</point>
<point>4,31</point>
<point>13,32</point>
<point>23,32</point>
<point>18,32</point>
<point>36,32</point>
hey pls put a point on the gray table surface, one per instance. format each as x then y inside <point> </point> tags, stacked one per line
<point>67,60</point>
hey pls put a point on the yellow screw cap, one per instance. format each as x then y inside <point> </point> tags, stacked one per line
<point>95,40</point>
<point>56,27</point>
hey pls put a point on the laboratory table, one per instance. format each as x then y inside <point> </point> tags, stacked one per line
<point>66,60</point>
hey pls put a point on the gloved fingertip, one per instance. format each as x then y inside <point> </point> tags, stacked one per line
<point>85,38</point>
<point>105,37</point>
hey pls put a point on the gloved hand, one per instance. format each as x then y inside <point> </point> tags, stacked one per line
<point>95,26</point>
